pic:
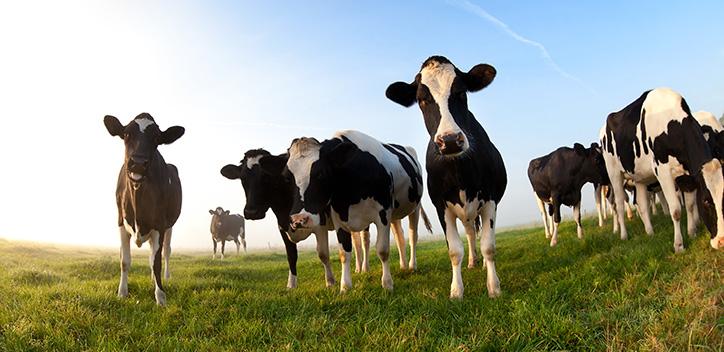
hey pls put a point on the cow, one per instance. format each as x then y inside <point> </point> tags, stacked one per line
<point>656,139</point>
<point>557,178</point>
<point>713,132</point>
<point>227,227</point>
<point>360,181</point>
<point>268,188</point>
<point>148,195</point>
<point>466,174</point>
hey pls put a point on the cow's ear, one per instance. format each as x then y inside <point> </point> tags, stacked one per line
<point>341,153</point>
<point>594,145</point>
<point>171,135</point>
<point>579,148</point>
<point>479,77</point>
<point>232,172</point>
<point>114,127</point>
<point>402,93</point>
<point>226,212</point>
<point>272,165</point>
<point>211,212</point>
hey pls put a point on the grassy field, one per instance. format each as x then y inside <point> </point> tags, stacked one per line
<point>598,293</point>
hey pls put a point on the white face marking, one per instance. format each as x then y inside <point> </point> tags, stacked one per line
<point>301,157</point>
<point>438,78</point>
<point>250,162</point>
<point>143,123</point>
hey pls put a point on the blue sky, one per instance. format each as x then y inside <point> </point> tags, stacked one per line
<point>241,75</point>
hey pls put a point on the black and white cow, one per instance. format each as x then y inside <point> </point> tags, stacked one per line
<point>656,139</point>
<point>227,227</point>
<point>360,181</point>
<point>148,194</point>
<point>466,175</point>
<point>557,178</point>
<point>268,188</point>
<point>713,132</point>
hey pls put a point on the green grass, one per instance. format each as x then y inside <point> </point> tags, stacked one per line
<point>598,293</point>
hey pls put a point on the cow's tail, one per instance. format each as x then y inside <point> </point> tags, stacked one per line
<point>425,219</point>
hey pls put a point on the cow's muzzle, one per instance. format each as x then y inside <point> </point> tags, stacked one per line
<point>137,167</point>
<point>451,143</point>
<point>299,221</point>
<point>253,214</point>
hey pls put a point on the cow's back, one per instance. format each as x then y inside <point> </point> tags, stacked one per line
<point>173,195</point>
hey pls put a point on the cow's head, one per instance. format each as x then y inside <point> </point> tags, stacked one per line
<point>441,91</point>
<point>312,166</point>
<point>142,138</point>
<point>594,166</point>
<point>261,185</point>
<point>216,216</point>
<point>710,199</point>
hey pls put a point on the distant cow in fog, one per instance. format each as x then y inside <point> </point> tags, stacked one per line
<point>558,177</point>
<point>148,194</point>
<point>227,227</point>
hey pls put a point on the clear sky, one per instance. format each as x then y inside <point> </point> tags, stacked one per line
<point>241,75</point>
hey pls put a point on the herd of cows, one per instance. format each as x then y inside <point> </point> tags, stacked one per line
<point>655,145</point>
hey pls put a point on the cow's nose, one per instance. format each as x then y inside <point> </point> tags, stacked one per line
<point>138,161</point>
<point>299,220</point>
<point>450,143</point>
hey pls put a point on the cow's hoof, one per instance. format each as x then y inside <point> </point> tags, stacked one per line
<point>456,293</point>
<point>413,266</point>
<point>494,292</point>
<point>403,266</point>
<point>331,283</point>
<point>679,248</point>
<point>717,242</point>
<point>554,243</point>
<point>387,284</point>
<point>123,292</point>
<point>160,298</point>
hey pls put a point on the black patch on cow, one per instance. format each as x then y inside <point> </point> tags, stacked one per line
<point>414,194</point>
<point>345,239</point>
<point>492,224</point>
<point>643,131</point>
<point>621,127</point>
<point>684,141</point>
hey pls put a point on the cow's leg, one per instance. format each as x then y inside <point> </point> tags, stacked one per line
<point>472,239</point>
<point>713,181</point>
<point>323,253</point>
<point>556,215</point>
<point>238,245</point>
<point>629,210</point>
<point>291,249</point>
<point>396,227</point>
<point>155,262</point>
<point>167,252</point>
<point>619,195</point>
<point>469,227</point>
<point>357,247</point>
<point>597,198</point>
<point>366,250</point>
<point>243,243</point>
<point>642,201</point>
<point>223,245</point>
<point>413,219</point>
<point>487,247</point>
<point>666,180</point>
<point>214,256</point>
<point>383,251</point>
<point>652,200</point>
<point>543,214</point>
<point>664,203</point>
<point>125,261</point>
<point>577,219</point>
<point>455,250</point>
<point>345,255</point>
<point>604,201</point>
<point>692,213</point>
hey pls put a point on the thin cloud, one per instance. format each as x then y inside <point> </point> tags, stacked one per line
<point>480,12</point>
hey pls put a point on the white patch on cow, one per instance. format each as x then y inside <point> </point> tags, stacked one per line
<point>662,105</point>
<point>143,123</point>
<point>466,212</point>
<point>438,78</point>
<point>291,281</point>
<point>361,215</point>
<point>706,118</point>
<point>250,162</point>
<point>302,155</point>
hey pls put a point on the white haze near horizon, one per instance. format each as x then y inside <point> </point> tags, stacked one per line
<point>66,65</point>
